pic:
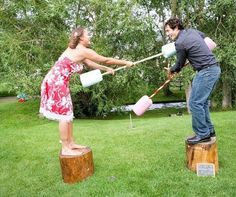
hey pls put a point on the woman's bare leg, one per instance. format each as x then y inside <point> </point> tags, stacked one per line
<point>64,129</point>
<point>72,143</point>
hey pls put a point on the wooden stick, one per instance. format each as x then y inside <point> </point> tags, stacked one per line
<point>148,58</point>
<point>162,86</point>
<point>137,62</point>
<point>165,83</point>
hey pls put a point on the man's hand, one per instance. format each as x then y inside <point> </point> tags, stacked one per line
<point>169,74</point>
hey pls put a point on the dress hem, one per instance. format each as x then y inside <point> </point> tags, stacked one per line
<point>53,116</point>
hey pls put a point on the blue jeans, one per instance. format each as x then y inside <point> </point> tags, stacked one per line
<point>202,86</point>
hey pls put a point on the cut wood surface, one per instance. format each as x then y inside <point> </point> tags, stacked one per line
<point>77,168</point>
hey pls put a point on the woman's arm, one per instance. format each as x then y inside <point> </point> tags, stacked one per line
<point>94,65</point>
<point>93,56</point>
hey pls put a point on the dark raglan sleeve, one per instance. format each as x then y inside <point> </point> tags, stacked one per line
<point>181,56</point>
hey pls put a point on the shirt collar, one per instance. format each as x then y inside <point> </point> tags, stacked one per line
<point>180,32</point>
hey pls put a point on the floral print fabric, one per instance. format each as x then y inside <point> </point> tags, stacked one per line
<point>56,101</point>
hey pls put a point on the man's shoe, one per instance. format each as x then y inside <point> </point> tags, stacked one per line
<point>213,133</point>
<point>196,139</point>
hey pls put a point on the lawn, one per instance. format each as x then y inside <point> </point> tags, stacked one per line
<point>148,160</point>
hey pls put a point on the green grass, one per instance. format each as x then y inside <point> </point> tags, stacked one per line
<point>148,160</point>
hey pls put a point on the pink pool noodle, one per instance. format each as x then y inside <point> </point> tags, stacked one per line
<point>142,105</point>
<point>210,43</point>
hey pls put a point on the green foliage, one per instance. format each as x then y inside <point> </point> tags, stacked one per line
<point>223,13</point>
<point>27,42</point>
<point>5,90</point>
<point>34,33</point>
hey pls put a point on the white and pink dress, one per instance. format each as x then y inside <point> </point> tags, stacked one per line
<point>56,103</point>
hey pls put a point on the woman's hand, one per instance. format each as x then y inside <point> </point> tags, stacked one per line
<point>129,63</point>
<point>110,70</point>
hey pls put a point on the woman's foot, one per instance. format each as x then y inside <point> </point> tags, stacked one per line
<point>70,152</point>
<point>73,145</point>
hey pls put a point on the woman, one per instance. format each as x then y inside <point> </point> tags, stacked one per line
<point>56,101</point>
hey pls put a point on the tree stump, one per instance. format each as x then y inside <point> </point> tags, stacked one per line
<point>205,152</point>
<point>77,167</point>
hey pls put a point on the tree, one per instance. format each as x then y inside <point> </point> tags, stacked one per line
<point>222,24</point>
<point>34,34</point>
<point>28,36</point>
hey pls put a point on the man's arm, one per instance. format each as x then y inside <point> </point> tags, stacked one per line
<point>181,59</point>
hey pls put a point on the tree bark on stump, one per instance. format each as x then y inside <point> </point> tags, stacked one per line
<point>205,152</point>
<point>77,167</point>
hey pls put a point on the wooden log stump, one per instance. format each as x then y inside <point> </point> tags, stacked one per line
<point>205,152</point>
<point>77,168</point>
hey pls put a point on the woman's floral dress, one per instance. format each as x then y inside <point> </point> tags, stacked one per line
<point>56,101</point>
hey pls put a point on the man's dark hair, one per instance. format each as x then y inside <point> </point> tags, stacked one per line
<point>174,22</point>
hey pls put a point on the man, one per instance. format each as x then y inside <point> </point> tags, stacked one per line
<point>190,45</point>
